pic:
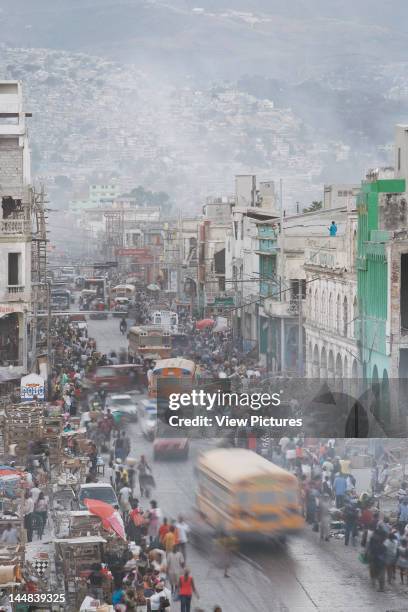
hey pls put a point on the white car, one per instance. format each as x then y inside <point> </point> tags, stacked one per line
<point>123,403</point>
<point>148,418</point>
<point>97,490</point>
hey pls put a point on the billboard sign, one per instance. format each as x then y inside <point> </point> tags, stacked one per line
<point>32,387</point>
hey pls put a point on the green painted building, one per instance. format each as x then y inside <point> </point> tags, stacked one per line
<point>374,242</point>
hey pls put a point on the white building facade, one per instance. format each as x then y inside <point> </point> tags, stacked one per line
<point>331,313</point>
<point>15,228</point>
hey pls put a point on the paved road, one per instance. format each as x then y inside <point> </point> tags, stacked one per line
<point>304,576</point>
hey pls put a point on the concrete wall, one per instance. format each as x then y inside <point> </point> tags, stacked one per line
<point>11,168</point>
<point>24,248</point>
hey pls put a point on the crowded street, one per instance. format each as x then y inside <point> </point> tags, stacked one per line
<point>108,467</point>
<point>203,357</point>
<point>288,572</point>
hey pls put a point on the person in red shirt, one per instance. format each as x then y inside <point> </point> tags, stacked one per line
<point>186,590</point>
<point>163,529</point>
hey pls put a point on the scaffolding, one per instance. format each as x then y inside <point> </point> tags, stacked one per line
<point>114,230</point>
<point>39,328</point>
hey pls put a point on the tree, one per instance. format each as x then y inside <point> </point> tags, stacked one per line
<point>144,197</point>
<point>315,205</point>
<point>63,182</point>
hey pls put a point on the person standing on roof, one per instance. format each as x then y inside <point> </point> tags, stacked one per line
<point>333,229</point>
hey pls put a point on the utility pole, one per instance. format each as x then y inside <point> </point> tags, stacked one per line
<point>49,347</point>
<point>282,277</point>
<point>179,255</point>
<point>300,331</point>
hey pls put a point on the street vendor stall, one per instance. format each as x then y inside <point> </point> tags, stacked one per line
<point>21,418</point>
<point>74,560</point>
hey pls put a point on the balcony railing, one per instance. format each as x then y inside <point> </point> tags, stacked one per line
<point>17,293</point>
<point>12,227</point>
<point>265,231</point>
<point>282,309</point>
<point>268,246</point>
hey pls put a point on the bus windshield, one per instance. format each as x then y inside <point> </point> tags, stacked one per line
<point>98,285</point>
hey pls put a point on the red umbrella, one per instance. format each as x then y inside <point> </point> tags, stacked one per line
<point>110,517</point>
<point>204,323</point>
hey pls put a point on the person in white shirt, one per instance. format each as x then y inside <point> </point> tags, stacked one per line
<point>157,598</point>
<point>9,536</point>
<point>124,495</point>
<point>182,531</point>
<point>35,493</point>
<point>28,510</point>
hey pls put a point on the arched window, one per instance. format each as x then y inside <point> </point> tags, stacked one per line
<point>385,399</point>
<point>330,311</point>
<point>323,364</point>
<point>376,389</point>
<point>345,317</point>
<point>338,314</point>
<point>316,364</point>
<point>316,306</point>
<point>339,367</point>
<point>323,313</point>
<point>355,317</point>
<point>330,366</point>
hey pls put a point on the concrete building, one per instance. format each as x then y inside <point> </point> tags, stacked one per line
<point>331,311</point>
<point>340,195</point>
<point>22,240</point>
<point>217,293</point>
<point>304,274</point>
<point>253,204</point>
<point>382,287</point>
<point>383,284</point>
<point>98,195</point>
<point>180,261</point>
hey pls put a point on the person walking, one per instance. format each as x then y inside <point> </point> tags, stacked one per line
<point>123,326</point>
<point>402,559</point>
<point>186,590</point>
<point>125,496</point>
<point>41,509</point>
<point>376,556</point>
<point>340,487</point>
<point>350,513</point>
<point>28,510</point>
<point>391,546</point>
<point>154,523</point>
<point>182,530</point>
<point>175,567</point>
<point>144,470</point>
<point>324,511</point>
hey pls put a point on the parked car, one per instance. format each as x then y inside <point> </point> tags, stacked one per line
<point>147,412</point>
<point>97,490</point>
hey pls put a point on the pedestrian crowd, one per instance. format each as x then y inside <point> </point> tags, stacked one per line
<point>332,507</point>
<point>152,573</point>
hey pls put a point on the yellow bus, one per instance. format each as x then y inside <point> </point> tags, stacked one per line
<point>243,494</point>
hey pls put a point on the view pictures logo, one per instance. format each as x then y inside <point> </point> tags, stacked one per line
<point>211,400</point>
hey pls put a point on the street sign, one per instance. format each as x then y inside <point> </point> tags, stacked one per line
<point>105,265</point>
<point>32,387</point>
<point>224,301</point>
<point>133,252</point>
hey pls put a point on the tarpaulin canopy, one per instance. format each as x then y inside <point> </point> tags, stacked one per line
<point>204,323</point>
